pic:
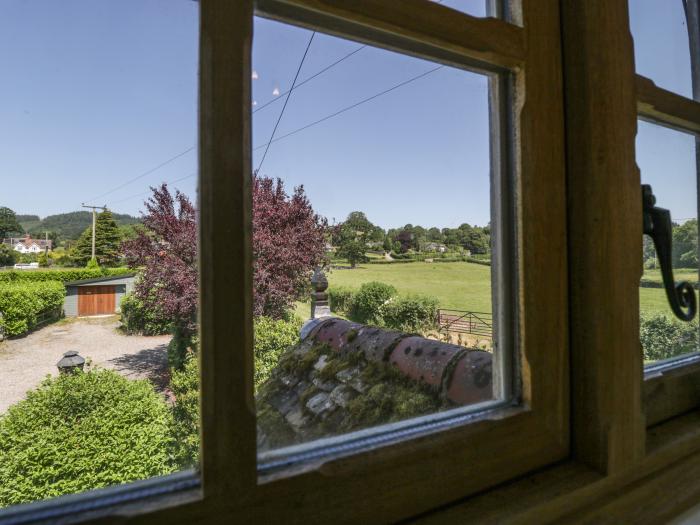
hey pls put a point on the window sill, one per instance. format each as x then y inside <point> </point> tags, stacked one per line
<point>572,492</point>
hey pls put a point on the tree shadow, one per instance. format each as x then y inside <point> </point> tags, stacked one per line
<point>149,363</point>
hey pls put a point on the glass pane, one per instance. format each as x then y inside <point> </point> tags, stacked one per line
<point>667,162</point>
<point>661,47</point>
<point>471,7</point>
<point>378,170</point>
<point>98,103</point>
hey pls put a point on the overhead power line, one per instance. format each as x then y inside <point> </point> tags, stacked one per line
<point>348,108</point>
<point>142,175</point>
<point>147,192</point>
<point>341,59</point>
<point>289,94</point>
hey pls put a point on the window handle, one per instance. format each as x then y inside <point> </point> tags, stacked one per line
<point>657,224</point>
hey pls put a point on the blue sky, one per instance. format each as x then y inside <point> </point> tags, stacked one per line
<point>96,93</point>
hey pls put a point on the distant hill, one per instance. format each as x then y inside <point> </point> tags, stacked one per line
<point>66,226</point>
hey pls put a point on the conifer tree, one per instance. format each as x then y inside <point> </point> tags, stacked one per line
<point>107,242</point>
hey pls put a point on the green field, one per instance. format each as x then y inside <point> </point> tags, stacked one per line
<point>462,285</point>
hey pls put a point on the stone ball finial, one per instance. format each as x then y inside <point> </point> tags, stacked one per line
<point>319,282</point>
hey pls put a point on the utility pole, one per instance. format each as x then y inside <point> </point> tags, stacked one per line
<point>94,219</point>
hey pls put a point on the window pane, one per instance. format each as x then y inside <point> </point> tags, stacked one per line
<point>390,158</point>
<point>471,7</point>
<point>98,103</point>
<point>667,161</point>
<point>661,47</point>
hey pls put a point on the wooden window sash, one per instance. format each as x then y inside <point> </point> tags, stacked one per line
<point>391,482</point>
<point>670,388</point>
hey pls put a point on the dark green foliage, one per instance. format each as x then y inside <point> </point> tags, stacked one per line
<point>685,244</point>
<point>369,299</point>
<point>107,242</point>
<point>7,255</point>
<point>9,225</point>
<point>136,318</point>
<point>184,384</point>
<point>82,431</point>
<point>60,275</point>
<point>662,337</point>
<point>272,337</point>
<point>68,226</point>
<point>353,250</point>
<point>341,298</point>
<point>22,302</point>
<point>183,342</point>
<point>413,313</point>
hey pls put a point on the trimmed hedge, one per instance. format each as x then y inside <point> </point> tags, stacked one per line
<point>73,274</point>
<point>367,304</point>
<point>382,306</point>
<point>396,261</point>
<point>184,384</point>
<point>136,318</point>
<point>650,283</point>
<point>271,338</point>
<point>662,337</point>
<point>412,313</point>
<point>82,431</point>
<point>340,298</point>
<point>22,302</point>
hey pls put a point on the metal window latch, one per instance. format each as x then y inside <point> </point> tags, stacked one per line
<point>657,224</point>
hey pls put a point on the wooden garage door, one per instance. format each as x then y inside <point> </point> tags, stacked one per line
<point>96,300</point>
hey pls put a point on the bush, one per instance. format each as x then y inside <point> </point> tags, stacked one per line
<point>92,264</point>
<point>662,337</point>
<point>21,303</point>
<point>60,275</point>
<point>414,313</point>
<point>184,384</point>
<point>8,256</point>
<point>340,298</point>
<point>136,318</point>
<point>272,337</point>
<point>367,304</point>
<point>82,431</point>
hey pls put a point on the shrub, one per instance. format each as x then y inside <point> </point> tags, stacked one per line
<point>367,304</point>
<point>7,255</point>
<point>272,337</point>
<point>136,318</point>
<point>184,384</point>
<point>414,313</point>
<point>340,298</point>
<point>60,275</point>
<point>662,337</point>
<point>21,303</point>
<point>92,264</point>
<point>82,431</point>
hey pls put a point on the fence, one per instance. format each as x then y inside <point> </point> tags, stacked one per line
<point>459,321</point>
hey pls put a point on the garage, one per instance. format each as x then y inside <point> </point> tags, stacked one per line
<point>100,296</point>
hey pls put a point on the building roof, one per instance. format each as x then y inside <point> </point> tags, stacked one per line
<point>96,280</point>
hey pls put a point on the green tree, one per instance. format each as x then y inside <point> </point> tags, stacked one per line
<point>8,257</point>
<point>685,244</point>
<point>9,223</point>
<point>107,242</point>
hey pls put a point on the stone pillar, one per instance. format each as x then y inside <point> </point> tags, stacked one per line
<point>319,297</point>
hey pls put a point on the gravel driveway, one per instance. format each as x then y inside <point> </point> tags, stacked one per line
<point>25,362</point>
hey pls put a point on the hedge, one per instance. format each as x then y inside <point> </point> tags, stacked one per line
<point>22,302</point>
<point>412,313</point>
<point>271,338</point>
<point>379,304</point>
<point>650,283</point>
<point>184,385</point>
<point>66,275</point>
<point>82,431</point>
<point>137,318</point>
<point>662,337</point>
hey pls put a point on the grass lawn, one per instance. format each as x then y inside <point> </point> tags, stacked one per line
<point>462,285</point>
<point>458,285</point>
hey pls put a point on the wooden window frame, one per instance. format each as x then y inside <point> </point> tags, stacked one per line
<point>670,388</point>
<point>460,459</point>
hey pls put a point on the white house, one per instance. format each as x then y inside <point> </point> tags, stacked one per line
<point>28,245</point>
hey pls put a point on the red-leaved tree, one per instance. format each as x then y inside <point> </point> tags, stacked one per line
<point>167,252</point>
<point>288,242</point>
